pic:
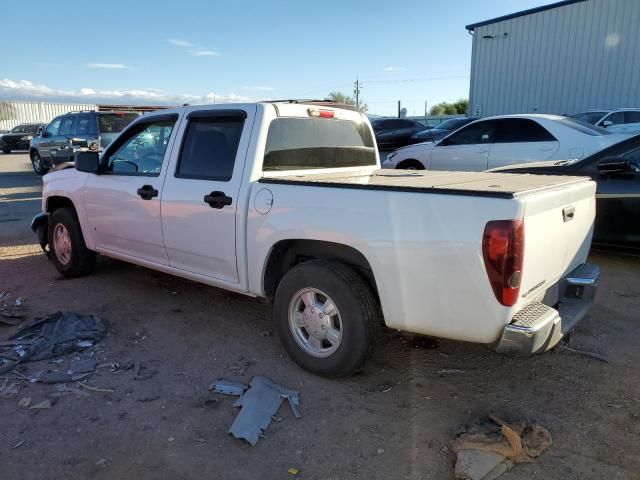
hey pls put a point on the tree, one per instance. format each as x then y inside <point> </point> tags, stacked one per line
<point>444,108</point>
<point>340,97</point>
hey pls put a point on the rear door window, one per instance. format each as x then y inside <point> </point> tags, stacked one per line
<point>114,122</point>
<point>521,130</point>
<point>631,117</point>
<point>209,148</point>
<point>307,143</point>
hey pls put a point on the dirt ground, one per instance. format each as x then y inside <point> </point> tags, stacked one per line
<point>395,420</point>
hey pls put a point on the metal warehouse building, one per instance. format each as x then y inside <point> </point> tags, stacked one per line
<point>561,58</point>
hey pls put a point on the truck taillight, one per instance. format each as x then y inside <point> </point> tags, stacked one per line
<point>321,113</point>
<point>503,252</point>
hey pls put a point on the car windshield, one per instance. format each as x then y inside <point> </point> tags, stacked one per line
<point>589,117</point>
<point>31,129</point>
<point>306,143</point>
<point>115,122</point>
<point>583,127</point>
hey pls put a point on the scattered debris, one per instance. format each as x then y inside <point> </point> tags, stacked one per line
<point>445,372</point>
<point>151,398</point>
<point>50,337</point>
<point>96,389</point>
<point>488,450</point>
<point>380,451</point>
<point>138,368</point>
<point>83,365</point>
<point>24,402</point>
<point>61,377</point>
<point>101,463</point>
<point>586,353</point>
<point>7,389</point>
<point>11,313</point>
<point>382,388</point>
<point>17,445</point>
<point>266,333</point>
<point>64,389</point>
<point>293,471</point>
<point>42,405</point>
<point>259,403</point>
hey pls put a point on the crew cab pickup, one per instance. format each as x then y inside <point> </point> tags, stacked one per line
<point>286,202</point>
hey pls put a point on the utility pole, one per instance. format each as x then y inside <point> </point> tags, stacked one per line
<point>356,92</point>
<point>425,108</point>
<point>399,106</point>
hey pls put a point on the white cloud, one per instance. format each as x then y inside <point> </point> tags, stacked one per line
<point>393,69</point>
<point>260,88</point>
<point>204,53</point>
<point>27,90</point>
<point>113,66</point>
<point>180,42</point>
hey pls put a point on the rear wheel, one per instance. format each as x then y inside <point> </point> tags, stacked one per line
<point>38,164</point>
<point>327,318</point>
<point>410,165</point>
<point>68,251</point>
<point>6,150</point>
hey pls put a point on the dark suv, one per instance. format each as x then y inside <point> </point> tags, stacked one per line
<point>19,137</point>
<point>67,134</point>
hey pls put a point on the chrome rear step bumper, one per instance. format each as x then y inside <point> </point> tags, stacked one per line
<point>539,327</point>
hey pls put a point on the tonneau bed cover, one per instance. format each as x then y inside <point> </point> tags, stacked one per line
<point>487,184</point>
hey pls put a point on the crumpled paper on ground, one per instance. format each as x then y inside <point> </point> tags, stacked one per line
<point>490,449</point>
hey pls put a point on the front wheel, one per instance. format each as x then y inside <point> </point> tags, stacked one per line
<point>410,165</point>
<point>327,318</point>
<point>69,253</point>
<point>38,164</point>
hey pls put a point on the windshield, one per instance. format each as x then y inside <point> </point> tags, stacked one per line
<point>451,124</point>
<point>115,122</point>
<point>584,127</point>
<point>306,143</point>
<point>25,129</point>
<point>589,117</point>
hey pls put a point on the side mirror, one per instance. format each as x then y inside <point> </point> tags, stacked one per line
<point>615,165</point>
<point>88,162</point>
<point>607,123</point>
<point>40,131</point>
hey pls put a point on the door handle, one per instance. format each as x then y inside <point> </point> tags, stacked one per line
<point>147,192</point>
<point>217,199</point>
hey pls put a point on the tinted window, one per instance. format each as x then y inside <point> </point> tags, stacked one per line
<point>583,127</point>
<point>615,118</point>
<point>25,129</point>
<point>54,127</point>
<point>382,124</point>
<point>452,124</point>
<point>114,122</point>
<point>518,130</point>
<point>65,126</point>
<point>141,151</point>
<point>589,117</point>
<point>209,148</point>
<point>83,125</point>
<point>479,132</point>
<point>303,143</point>
<point>632,117</point>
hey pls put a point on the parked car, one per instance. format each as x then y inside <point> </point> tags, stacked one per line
<point>616,170</point>
<point>286,202</point>
<point>506,140</point>
<point>66,134</point>
<point>622,120</point>
<point>19,137</point>
<point>392,133</point>
<point>441,130</point>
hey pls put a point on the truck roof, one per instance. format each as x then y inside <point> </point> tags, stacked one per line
<point>484,184</point>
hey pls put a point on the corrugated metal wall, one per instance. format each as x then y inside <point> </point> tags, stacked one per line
<point>15,113</point>
<point>563,60</point>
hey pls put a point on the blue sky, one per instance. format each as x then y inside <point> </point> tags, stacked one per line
<point>192,50</point>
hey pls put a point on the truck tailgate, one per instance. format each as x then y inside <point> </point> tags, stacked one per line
<point>558,226</point>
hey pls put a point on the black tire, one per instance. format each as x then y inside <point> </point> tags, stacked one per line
<point>81,260</point>
<point>38,164</point>
<point>357,307</point>
<point>6,150</point>
<point>410,165</point>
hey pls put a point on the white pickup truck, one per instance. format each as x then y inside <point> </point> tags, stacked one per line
<point>286,202</point>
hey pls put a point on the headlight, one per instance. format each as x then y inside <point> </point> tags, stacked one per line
<point>26,137</point>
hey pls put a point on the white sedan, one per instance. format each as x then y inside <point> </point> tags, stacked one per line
<point>506,140</point>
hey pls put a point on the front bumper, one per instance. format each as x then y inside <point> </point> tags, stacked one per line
<point>40,226</point>
<point>539,327</point>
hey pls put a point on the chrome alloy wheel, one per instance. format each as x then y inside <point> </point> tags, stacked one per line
<point>62,244</point>
<point>315,322</point>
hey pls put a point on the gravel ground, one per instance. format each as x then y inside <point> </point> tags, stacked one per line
<point>394,420</point>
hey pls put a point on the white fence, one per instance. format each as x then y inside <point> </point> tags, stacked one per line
<point>15,113</point>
